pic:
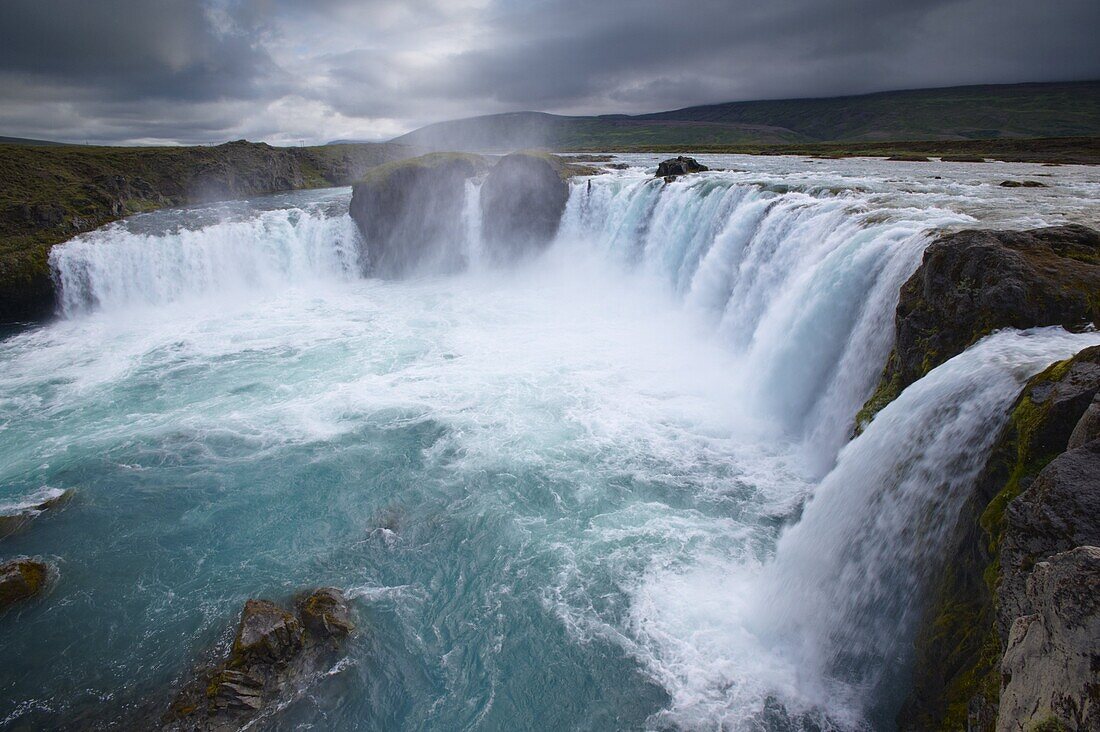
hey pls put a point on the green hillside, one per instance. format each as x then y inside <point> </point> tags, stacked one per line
<point>1070,109</point>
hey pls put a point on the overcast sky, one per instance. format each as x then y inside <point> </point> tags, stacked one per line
<point>197,71</point>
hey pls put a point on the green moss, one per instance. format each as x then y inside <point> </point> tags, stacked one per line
<point>1050,724</point>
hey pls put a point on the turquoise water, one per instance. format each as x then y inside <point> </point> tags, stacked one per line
<point>554,493</point>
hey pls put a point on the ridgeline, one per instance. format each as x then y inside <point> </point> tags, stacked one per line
<point>957,114</point>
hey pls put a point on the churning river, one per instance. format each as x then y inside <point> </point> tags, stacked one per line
<point>610,488</point>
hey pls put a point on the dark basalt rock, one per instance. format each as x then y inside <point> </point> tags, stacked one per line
<point>21,579</point>
<point>410,213</point>
<point>973,282</point>
<point>11,523</point>
<point>274,651</point>
<point>522,201</point>
<point>680,165</point>
<point>1058,512</point>
<point>1022,184</point>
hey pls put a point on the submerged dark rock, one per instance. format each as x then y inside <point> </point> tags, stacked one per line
<point>973,282</point>
<point>522,200</point>
<point>680,165</point>
<point>273,652</point>
<point>21,579</point>
<point>1022,184</point>
<point>17,520</point>
<point>410,213</point>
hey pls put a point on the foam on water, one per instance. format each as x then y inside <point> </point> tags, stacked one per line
<point>556,493</point>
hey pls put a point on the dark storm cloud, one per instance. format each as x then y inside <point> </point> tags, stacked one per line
<point>190,71</point>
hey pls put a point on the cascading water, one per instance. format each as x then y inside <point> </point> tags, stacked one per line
<point>558,492</point>
<point>114,268</point>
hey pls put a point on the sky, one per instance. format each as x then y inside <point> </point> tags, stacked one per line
<point>307,72</point>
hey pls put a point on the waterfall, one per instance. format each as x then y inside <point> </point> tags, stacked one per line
<point>116,267</point>
<point>802,286</point>
<point>847,579</point>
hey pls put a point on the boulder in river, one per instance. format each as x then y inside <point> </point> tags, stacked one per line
<point>410,213</point>
<point>273,651</point>
<point>522,200</point>
<point>21,579</point>
<point>679,165</point>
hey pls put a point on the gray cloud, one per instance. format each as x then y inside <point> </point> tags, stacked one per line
<point>285,71</point>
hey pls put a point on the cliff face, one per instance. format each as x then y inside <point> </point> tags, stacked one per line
<point>971,283</point>
<point>50,194</point>
<point>1004,643</point>
<point>410,213</point>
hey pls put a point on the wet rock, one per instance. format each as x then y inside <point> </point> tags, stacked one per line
<point>274,652</point>
<point>19,517</point>
<point>410,213</point>
<point>680,165</point>
<point>973,282</point>
<point>21,579</point>
<point>1022,184</point>
<point>1087,428</point>
<point>1050,666</point>
<point>267,634</point>
<point>522,200</point>
<point>325,613</point>
<point>1058,512</point>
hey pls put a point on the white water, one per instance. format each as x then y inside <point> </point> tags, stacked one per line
<point>114,268</point>
<point>645,406</point>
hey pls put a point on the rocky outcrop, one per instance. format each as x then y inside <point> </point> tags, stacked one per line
<point>50,194</point>
<point>1059,511</point>
<point>19,517</point>
<point>973,282</point>
<point>1036,497</point>
<point>21,579</point>
<point>273,651</point>
<point>1051,665</point>
<point>410,213</point>
<point>680,165</point>
<point>1022,184</point>
<point>522,200</point>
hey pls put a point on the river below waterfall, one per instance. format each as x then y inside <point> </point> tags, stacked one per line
<point>608,488</point>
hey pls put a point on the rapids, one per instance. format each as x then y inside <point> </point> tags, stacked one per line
<point>606,489</point>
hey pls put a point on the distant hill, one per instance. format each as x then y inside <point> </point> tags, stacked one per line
<point>1063,109</point>
<point>28,141</point>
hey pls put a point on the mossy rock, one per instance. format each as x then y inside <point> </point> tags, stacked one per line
<point>21,579</point>
<point>974,282</point>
